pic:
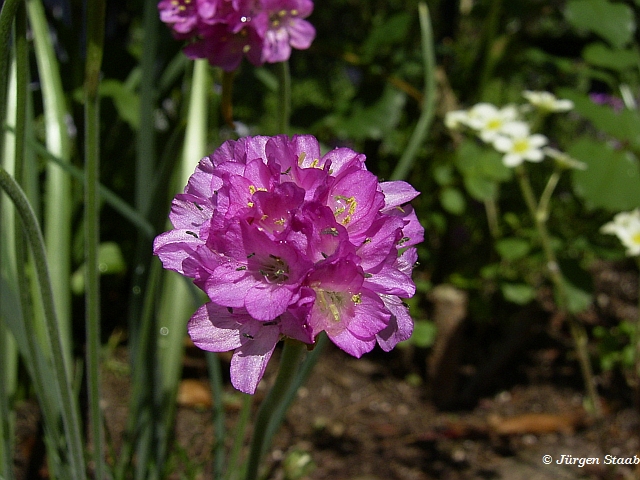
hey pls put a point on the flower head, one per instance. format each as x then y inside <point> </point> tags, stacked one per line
<point>518,144</point>
<point>626,226</point>
<point>547,101</point>
<point>287,242</point>
<point>489,121</point>
<point>225,31</point>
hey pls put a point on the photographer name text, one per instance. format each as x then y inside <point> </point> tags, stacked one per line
<point>582,461</point>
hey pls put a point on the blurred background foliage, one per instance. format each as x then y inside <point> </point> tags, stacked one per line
<point>361,85</point>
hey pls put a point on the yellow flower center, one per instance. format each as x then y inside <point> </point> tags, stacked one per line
<point>521,145</point>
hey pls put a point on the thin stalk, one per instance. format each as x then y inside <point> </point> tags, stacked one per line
<point>215,377</point>
<point>488,59</point>
<point>95,42</point>
<point>545,197</point>
<point>8,354</point>
<point>144,166</point>
<point>292,353</point>
<point>578,332</point>
<point>428,100</point>
<point>139,420</point>
<point>145,161</point>
<point>635,341</point>
<point>234,468</point>
<point>226,105</point>
<point>284,97</point>
<point>58,204</point>
<point>491,209</point>
<point>7,14</point>
<point>301,377</point>
<point>70,416</point>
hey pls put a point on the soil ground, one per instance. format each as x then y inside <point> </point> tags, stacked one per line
<point>374,419</point>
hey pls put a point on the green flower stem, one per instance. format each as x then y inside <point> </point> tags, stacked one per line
<point>146,152</point>
<point>8,355</point>
<point>578,332</point>
<point>95,42</point>
<point>292,354</point>
<point>142,383</point>
<point>429,99</point>
<point>284,97</point>
<point>491,209</point>
<point>215,377</point>
<point>70,416</point>
<point>545,197</point>
<point>234,468</point>
<point>303,373</point>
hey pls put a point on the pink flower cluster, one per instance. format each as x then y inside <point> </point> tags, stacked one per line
<point>288,242</point>
<point>223,31</point>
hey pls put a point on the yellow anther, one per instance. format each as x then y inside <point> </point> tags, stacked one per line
<point>356,298</point>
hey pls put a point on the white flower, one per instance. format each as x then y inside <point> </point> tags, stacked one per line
<point>456,119</point>
<point>518,145</point>
<point>489,121</point>
<point>626,225</point>
<point>547,101</point>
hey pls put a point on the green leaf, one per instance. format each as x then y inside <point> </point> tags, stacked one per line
<point>481,169</point>
<point>612,177</point>
<point>126,101</point>
<point>519,293</point>
<point>600,55</point>
<point>577,299</point>
<point>614,22</point>
<point>393,31</point>
<point>443,174</point>
<point>452,200</point>
<point>476,160</point>
<point>110,261</point>
<point>424,333</point>
<point>372,122</point>
<point>623,125</point>
<point>481,188</point>
<point>512,248</point>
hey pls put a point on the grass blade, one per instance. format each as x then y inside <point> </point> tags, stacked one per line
<point>95,42</point>
<point>58,206</point>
